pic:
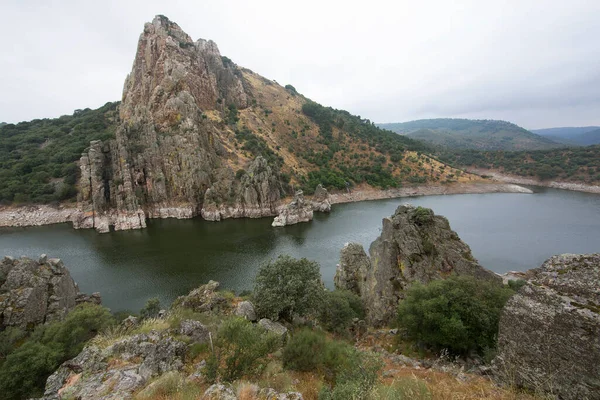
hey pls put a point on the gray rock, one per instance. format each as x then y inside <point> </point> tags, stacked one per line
<point>414,246</point>
<point>549,331</point>
<point>205,298</point>
<point>130,322</point>
<point>219,391</point>
<point>36,292</point>
<point>246,310</point>
<point>117,371</point>
<point>195,330</point>
<point>321,200</point>
<point>298,210</point>
<point>274,327</point>
<point>272,394</point>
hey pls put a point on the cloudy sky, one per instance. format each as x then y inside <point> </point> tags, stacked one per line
<point>535,63</point>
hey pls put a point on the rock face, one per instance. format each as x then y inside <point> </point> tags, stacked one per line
<point>321,200</point>
<point>549,336</point>
<point>205,298</point>
<point>297,211</point>
<point>414,246</point>
<point>34,292</point>
<point>118,370</point>
<point>168,158</point>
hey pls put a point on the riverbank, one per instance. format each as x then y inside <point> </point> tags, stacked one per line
<point>519,180</point>
<point>37,215</point>
<point>363,194</point>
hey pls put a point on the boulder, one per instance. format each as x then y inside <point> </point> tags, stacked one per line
<point>34,292</point>
<point>195,330</point>
<point>298,210</point>
<point>274,327</point>
<point>246,310</point>
<point>415,245</point>
<point>118,370</point>
<point>321,201</point>
<point>219,391</point>
<point>549,336</point>
<point>205,298</point>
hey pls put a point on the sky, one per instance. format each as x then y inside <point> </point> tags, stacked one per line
<point>534,63</point>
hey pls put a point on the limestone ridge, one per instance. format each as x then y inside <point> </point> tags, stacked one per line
<point>34,292</point>
<point>414,246</point>
<point>168,158</point>
<point>549,331</point>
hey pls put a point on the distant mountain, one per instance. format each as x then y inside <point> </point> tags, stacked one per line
<point>581,136</point>
<point>472,134</point>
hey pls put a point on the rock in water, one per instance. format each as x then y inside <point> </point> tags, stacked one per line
<point>34,292</point>
<point>415,245</point>
<point>168,158</point>
<point>321,200</point>
<point>549,336</point>
<point>297,211</point>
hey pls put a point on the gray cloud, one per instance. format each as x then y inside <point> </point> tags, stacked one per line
<point>536,63</point>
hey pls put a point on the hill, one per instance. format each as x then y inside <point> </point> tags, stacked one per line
<point>580,136</point>
<point>197,134</point>
<point>576,164</point>
<point>472,134</point>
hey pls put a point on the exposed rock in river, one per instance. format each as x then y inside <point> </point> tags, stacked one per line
<point>297,211</point>
<point>549,338</point>
<point>321,200</point>
<point>414,246</point>
<point>34,292</point>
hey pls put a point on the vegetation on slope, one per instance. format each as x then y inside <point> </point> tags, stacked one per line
<point>472,134</point>
<point>573,136</point>
<point>37,158</point>
<point>579,164</point>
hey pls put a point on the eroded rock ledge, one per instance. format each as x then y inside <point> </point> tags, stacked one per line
<point>415,245</point>
<point>549,338</point>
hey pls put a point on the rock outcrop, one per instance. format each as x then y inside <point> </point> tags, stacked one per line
<point>168,158</point>
<point>414,246</point>
<point>321,201</point>
<point>34,292</point>
<point>549,338</point>
<point>298,210</point>
<point>118,370</point>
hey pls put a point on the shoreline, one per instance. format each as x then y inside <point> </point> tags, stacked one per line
<point>39,215</point>
<point>519,180</point>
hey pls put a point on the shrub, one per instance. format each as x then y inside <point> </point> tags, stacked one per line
<point>288,287</point>
<point>240,350</point>
<point>423,216</point>
<point>304,350</point>
<point>151,309</point>
<point>338,310</point>
<point>460,314</point>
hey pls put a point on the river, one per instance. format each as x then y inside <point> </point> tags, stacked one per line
<point>506,231</point>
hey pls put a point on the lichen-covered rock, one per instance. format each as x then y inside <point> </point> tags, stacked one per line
<point>297,211</point>
<point>415,245</point>
<point>246,310</point>
<point>117,371</point>
<point>203,299</point>
<point>218,391</point>
<point>321,200</point>
<point>272,394</point>
<point>195,330</point>
<point>34,292</point>
<point>274,327</point>
<point>549,337</point>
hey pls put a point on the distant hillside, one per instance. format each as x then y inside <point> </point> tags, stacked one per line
<point>472,134</point>
<point>580,136</point>
<point>576,164</point>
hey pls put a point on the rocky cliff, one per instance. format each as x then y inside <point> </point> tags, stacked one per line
<point>415,245</point>
<point>549,338</point>
<point>34,292</point>
<point>169,158</point>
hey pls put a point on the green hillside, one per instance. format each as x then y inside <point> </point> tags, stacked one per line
<point>472,134</point>
<point>573,136</point>
<point>37,158</point>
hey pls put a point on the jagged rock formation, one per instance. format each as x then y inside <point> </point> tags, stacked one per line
<point>118,370</point>
<point>414,246</point>
<point>34,292</point>
<point>549,336</point>
<point>298,210</point>
<point>321,200</point>
<point>168,158</point>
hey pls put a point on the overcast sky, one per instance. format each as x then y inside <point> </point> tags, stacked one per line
<point>535,63</point>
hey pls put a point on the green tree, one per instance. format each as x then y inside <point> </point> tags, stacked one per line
<point>338,310</point>
<point>288,287</point>
<point>460,314</point>
<point>151,309</point>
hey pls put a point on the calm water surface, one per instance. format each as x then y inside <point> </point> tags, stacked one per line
<point>505,231</point>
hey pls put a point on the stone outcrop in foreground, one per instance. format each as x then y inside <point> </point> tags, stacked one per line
<point>34,292</point>
<point>414,246</point>
<point>549,336</point>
